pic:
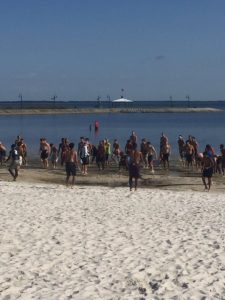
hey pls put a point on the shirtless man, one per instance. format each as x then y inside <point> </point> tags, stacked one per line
<point>100,156</point>
<point>207,170</point>
<point>62,150</point>
<point>196,147</point>
<point>128,147</point>
<point>163,140</point>
<point>22,149</point>
<point>189,153</point>
<point>45,152</point>
<point>133,138</point>
<point>165,154</point>
<point>192,140</point>
<point>136,156</point>
<point>23,152</point>
<point>135,159</point>
<point>71,163</point>
<point>151,153</point>
<point>116,151</point>
<point>144,151</point>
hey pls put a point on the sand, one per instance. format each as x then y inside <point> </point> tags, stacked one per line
<point>55,111</point>
<point>101,241</point>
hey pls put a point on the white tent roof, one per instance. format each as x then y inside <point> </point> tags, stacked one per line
<point>122,100</point>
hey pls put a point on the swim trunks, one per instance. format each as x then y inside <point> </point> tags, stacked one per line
<point>44,154</point>
<point>85,160</point>
<point>70,169</point>
<point>134,171</point>
<point>165,157</point>
<point>150,158</point>
<point>207,172</point>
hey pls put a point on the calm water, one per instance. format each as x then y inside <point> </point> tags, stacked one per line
<point>206,127</point>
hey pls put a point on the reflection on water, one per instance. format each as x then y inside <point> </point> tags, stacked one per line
<point>206,127</point>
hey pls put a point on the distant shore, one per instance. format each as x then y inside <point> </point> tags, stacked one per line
<point>48,111</point>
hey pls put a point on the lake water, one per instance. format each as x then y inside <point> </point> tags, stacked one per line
<point>206,127</point>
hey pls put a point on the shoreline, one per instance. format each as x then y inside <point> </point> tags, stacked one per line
<point>178,178</point>
<point>49,111</point>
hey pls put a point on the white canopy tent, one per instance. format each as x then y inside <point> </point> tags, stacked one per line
<point>122,100</point>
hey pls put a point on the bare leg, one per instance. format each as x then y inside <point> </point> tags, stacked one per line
<point>16,174</point>
<point>135,183</point>
<point>67,179</point>
<point>130,182</point>
<point>204,182</point>
<point>11,172</point>
<point>85,169</point>
<point>209,182</point>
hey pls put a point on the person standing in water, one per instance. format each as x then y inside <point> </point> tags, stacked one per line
<point>96,125</point>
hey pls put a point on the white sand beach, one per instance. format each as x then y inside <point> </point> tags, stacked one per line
<point>110,243</point>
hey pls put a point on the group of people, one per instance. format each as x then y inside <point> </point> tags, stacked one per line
<point>131,158</point>
<point>208,160</point>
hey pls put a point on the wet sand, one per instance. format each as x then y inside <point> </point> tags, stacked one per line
<point>177,178</point>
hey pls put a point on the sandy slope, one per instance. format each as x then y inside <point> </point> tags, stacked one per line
<point>107,243</point>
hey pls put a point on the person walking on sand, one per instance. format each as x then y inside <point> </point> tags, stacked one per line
<point>207,170</point>
<point>71,164</point>
<point>133,164</point>
<point>133,174</point>
<point>15,162</point>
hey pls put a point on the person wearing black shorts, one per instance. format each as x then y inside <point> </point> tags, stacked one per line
<point>207,170</point>
<point>133,174</point>
<point>71,163</point>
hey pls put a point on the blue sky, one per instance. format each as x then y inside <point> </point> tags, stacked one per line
<point>81,49</point>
